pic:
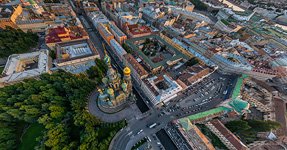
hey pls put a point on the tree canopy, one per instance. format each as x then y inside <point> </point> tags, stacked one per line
<point>127,48</point>
<point>98,71</point>
<point>51,1</point>
<point>199,5</point>
<point>248,129</point>
<point>192,61</point>
<point>13,41</point>
<point>58,102</point>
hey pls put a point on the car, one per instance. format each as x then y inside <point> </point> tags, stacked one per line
<point>140,131</point>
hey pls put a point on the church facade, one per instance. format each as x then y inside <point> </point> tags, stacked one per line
<point>115,89</point>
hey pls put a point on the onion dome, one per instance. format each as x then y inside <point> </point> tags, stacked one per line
<point>124,86</point>
<point>127,71</point>
<point>107,60</point>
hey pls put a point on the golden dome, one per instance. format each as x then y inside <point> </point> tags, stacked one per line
<point>127,71</point>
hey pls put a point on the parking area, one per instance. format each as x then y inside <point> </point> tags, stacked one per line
<point>202,96</point>
<point>215,88</point>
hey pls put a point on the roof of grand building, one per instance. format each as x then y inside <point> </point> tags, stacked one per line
<point>6,11</point>
<point>139,68</point>
<point>135,29</point>
<point>57,34</point>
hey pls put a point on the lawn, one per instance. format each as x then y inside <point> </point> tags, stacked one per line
<point>29,138</point>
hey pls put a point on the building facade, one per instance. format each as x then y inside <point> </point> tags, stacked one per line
<point>8,16</point>
<point>115,90</point>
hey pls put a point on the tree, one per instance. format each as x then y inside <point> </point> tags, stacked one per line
<point>248,129</point>
<point>263,126</point>
<point>7,137</point>
<point>14,41</point>
<point>52,54</point>
<point>237,126</point>
<point>58,102</point>
<point>127,48</point>
<point>51,1</point>
<point>192,61</point>
<point>199,5</point>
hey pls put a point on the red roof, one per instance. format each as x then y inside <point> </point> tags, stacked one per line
<point>59,30</point>
<point>73,33</point>
<point>228,135</point>
<point>136,29</point>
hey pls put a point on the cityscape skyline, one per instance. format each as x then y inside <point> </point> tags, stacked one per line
<point>143,75</point>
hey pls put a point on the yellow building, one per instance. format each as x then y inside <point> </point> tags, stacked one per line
<point>8,16</point>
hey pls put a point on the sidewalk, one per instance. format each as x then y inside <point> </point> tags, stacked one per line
<point>121,115</point>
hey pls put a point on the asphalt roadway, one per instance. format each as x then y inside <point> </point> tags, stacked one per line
<point>130,135</point>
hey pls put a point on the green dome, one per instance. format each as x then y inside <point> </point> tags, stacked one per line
<point>105,80</point>
<point>124,86</point>
<point>32,2</point>
<point>107,60</point>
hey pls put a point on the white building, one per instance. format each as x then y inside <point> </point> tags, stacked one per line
<point>23,66</point>
<point>163,88</point>
<point>190,14</point>
<point>226,12</point>
<point>128,17</point>
<point>97,17</point>
<point>117,49</point>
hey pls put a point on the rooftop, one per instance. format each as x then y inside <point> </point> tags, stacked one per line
<point>6,11</point>
<point>136,29</point>
<point>27,65</point>
<point>59,34</point>
<point>74,50</point>
<point>116,29</point>
<point>228,135</point>
<point>194,135</point>
<point>160,59</point>
<point>139,68</point>
<point>207,113</point>
<point>163,87</point>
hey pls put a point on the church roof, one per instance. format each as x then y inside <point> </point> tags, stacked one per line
<point>32,2</point>
<point>127,71</point>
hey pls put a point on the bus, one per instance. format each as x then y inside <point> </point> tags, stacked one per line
<point>152,125</point>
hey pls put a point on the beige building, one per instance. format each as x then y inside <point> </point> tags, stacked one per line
<point>8,15</point>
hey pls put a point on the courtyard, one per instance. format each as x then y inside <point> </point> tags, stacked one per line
<point>154,50</point>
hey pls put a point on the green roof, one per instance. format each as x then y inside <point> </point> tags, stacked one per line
<point>185,124</point>
<point>178,54</point>
<point>32,2</point>
<point>236,90</point>
<point>206,113</point>
<point>243,13</point>
<point>238,105</point>
<point>224,22</point>
<point>148,1</point>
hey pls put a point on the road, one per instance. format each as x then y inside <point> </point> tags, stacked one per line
<point>126,138</point>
